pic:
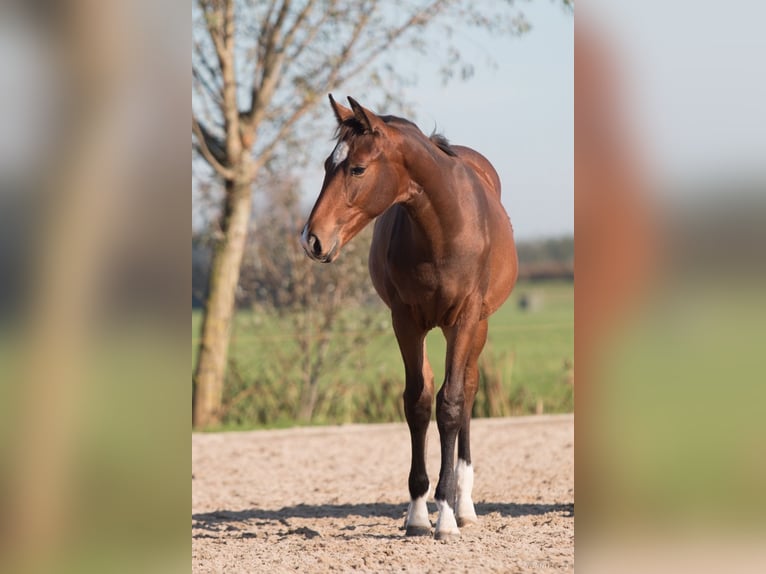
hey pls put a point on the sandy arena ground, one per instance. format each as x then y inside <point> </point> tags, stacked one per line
<point>333,499</point>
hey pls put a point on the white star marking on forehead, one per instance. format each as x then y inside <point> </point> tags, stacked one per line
<point>340,153</point>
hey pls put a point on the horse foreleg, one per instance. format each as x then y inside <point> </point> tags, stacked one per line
<point>418,398</point>
<point>466,514</point>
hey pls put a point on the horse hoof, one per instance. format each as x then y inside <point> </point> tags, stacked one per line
<point>418,531</point>
<point>463,521</point>
<point>447,535</point>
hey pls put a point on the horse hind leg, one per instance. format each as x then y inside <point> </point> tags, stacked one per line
<point>464,508</point>
<point>450,412</point>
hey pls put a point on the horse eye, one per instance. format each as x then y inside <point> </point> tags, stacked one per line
<point>357,170</point>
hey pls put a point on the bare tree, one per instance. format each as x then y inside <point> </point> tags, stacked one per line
<point>258,69</point>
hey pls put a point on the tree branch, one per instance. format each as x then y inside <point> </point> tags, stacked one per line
<point>335,79</point>
<point>212,74</point>
<point>211,149</point>
<point>312,95</point>
<point>310,35</point>
<point>273,57</point>
<point>390,37</point>
<point>211,92</point>
<point>297,24</point>
<point>262,35</point>
<point>265,155</point>
<point>219,21</point>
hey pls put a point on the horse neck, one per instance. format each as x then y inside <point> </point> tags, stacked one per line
<point>434,206</point>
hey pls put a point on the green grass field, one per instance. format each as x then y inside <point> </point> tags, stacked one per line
<point>531,350</point>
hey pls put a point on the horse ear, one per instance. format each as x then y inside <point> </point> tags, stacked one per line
<point>365,117</point>
<point>342,113</point>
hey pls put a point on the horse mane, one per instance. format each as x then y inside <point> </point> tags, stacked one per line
<point>352,127</point>
<point>442,143</point>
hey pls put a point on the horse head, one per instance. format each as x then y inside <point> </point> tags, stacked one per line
<point>364,176</point>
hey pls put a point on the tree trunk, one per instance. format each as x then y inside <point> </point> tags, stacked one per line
<point>219,308</point>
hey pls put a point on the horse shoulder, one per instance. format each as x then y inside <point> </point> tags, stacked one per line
<point>382,235</point>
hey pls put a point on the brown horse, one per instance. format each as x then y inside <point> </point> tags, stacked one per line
<point>442,255</point>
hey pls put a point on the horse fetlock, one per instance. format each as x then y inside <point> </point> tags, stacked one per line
<point>419,486</point>
<point>445,489</point>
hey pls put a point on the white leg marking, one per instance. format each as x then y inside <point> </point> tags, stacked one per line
<point>417,513</point>
<point>446,526</point>
<point>464,504</point>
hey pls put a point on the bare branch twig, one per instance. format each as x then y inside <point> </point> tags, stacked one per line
<point>206,143</point>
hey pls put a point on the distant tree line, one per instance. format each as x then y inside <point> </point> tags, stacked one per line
<point>550,258</point>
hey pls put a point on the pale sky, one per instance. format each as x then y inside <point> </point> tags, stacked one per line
<point>519,115</point>
<point>693,84</point>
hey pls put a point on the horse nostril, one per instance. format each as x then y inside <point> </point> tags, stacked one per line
<point>315,245</point>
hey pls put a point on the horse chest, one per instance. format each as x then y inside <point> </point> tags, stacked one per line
<point>432,290</point>
<point>416,278</point>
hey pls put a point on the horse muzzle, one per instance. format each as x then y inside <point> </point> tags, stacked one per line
<point>317,249</point>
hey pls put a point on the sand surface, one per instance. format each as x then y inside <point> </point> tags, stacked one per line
<point>333,499</point>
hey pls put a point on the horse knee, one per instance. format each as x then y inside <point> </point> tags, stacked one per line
<point>417,407</point>
<point>449,411</point>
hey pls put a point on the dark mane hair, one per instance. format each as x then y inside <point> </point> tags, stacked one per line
<point>442,143</point>
<point>352,127</point>
<point>349,127</point>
